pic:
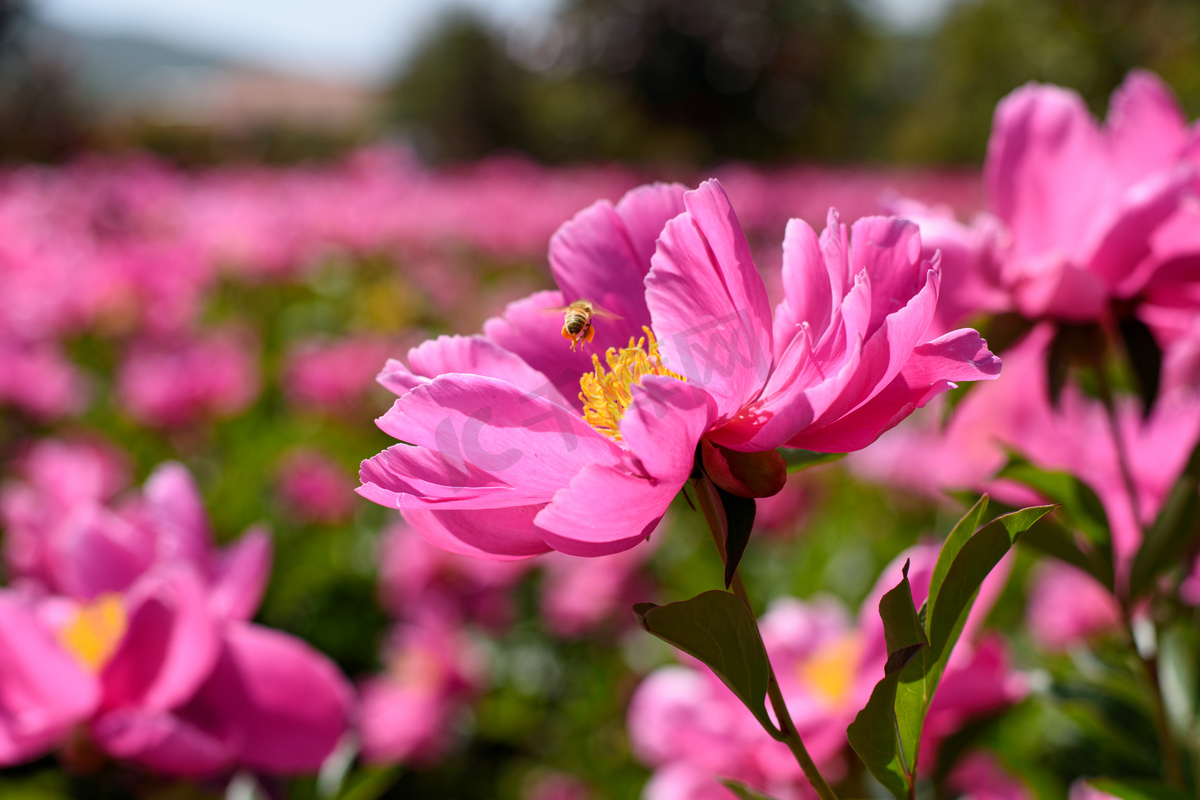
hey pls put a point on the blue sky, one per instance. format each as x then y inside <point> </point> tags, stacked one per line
<point>350,38</point>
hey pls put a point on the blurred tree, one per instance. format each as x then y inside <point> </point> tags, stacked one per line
<point>40,118</point>
<point>986,48</point>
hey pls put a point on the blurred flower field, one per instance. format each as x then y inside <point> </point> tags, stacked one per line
<point>198,604</point>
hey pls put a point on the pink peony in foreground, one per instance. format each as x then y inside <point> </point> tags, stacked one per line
<point>513,445</point>
<point>130,628</point>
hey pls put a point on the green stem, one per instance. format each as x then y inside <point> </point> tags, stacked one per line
<point>706,494</point>
<point>1172,764</point>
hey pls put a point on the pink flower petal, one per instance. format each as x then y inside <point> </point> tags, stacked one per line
<point>491,533</point>
<point>44,692</point>
<point>1146,129</point>
<point>477,355</point>
<point>165,742</point>
<point>480,441</point>
<point>286,704</point>
<point>604,253</point>
<point>241,576</point>
<point>169,647</point>
<point>709,303</point>
<point>662,426</point>
<point>177,509</point>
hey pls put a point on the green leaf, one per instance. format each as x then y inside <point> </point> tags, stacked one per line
<point>799,460</point>
<point>873,734</point>
<point>1004,330</point>
<point>887,733</point>
<point>1133,789</point>
<point>743,791</point>
<point>961,532</point>
<point>1145,358</point>
<point>739,522</point>
<point>1179,675</point>
<point>718,629</point>
<point>1173,530</point>
<point>1081,507</point>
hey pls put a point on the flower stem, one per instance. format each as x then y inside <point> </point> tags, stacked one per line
<point>706,494</point>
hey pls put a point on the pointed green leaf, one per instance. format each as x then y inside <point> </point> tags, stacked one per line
<point>718,629</point>
<point>799,460</point>
<point>873,734</point>
<point>962,531</point>
<point>1133,789</point>
<point>887,733</point>
<point>739,522</point>
<point>1173,530</point>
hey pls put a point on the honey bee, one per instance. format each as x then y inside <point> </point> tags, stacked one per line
<point>577,321</point>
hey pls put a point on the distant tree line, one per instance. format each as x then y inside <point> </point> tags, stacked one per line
<point>695,81</point>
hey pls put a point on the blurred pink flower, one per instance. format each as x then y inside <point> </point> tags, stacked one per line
<point>556,786</point>
<point>578,595</point>
<point>408,712</point>
<point>501,461</point>
<point>38,379</point>
<point>416,577</point>
<point>1077,437</point>
<point>176,384</point>
<point>314,488</point>
<point>1067,606</point>
<point>142,626</point>
<point>1077,207</point>
<point>979,777</point>
<point>333,376</point>
<point>786,512</point>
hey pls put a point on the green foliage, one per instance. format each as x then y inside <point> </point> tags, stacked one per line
<point>887,732</point>
<point>1173,532</point>
<point>800,460</point>
<point>718,629</point>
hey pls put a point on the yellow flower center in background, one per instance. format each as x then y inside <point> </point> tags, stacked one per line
<point>831,671</point>
<point>606,395</point>
<point>95,630</point>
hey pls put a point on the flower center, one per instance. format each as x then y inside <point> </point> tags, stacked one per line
<point>606,395</point>
<point>95,630</point>
<point>830,672</point>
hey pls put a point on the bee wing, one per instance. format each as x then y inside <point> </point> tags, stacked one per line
<point>555,310</point>
<point>602,312</point>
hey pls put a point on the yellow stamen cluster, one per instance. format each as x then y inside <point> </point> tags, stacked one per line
<point>95,630</point>
<point>606,394</point>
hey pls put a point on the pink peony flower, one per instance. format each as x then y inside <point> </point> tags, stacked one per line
<point>1076,209</point>
<point>333,377</point>
<point>1068,606</point>
<point>174,385</point>
<point>314,488</point>
<point>409,711</point>
<point>135,629</point>
<point>38,379</point>
<point>500,460</point>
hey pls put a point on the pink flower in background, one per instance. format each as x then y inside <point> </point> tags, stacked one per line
<point>172,385</point>
<point>1067,606</point>
<point>501,460</point>
<point>38,379</point>
<point>408,712</point>
<point>314,488</point>
<point>143,628</point>
<point>1077,207</point>
<point>556,786</point>
<point>415,577</point>
<point>979,777</point>
<point>333,376</point>
<point>684,722</point>
<point>578,595</point>
<point>1015,414</point>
